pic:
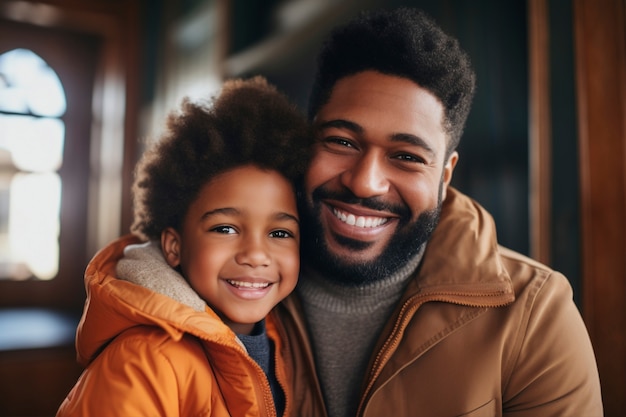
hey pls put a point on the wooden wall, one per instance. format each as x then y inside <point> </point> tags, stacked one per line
<point>600,31</point>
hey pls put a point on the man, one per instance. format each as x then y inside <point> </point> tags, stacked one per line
<point>406,303</point>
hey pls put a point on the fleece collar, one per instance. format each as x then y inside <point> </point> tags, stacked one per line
<point>143,264</point>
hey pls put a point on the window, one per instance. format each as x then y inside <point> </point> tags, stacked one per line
<point>56,97</point>
<point>32,136</point>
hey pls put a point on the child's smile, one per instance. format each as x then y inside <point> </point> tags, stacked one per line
<point>239,244</point>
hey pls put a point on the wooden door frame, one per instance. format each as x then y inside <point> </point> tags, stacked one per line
<point>539,131</point>
<point>74,59</point>
<point>600,73</point>
<point>115,108</point>
<point>600,49</point>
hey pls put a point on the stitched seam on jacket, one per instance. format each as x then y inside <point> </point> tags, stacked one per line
<point>537,285</point>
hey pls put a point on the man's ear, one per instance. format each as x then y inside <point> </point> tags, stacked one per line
<point>448,170</point>
<point>170,244</point>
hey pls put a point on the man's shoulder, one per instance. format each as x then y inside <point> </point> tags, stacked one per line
<point>512,257</point>
<point>532,277</point>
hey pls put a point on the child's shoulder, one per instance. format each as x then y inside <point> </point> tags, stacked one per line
<point>143,360</point>
<point>156,342</point>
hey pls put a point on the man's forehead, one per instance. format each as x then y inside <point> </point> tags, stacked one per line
<point>371,101</point>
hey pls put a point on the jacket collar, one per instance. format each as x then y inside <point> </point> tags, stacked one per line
<point>114,305</point>
<point>462,263</point>
<point>461,266</point>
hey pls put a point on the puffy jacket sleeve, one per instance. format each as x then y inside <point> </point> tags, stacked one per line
<point>131,377</point>
<point>555,373</point>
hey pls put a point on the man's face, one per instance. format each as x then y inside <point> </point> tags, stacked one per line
<point>376,182</point>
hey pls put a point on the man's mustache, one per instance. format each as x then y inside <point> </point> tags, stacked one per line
<point>374,203</point>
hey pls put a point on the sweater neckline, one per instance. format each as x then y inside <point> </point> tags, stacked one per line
<point>324,292</point>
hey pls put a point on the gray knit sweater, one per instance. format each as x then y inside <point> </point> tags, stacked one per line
<point>345,323</point>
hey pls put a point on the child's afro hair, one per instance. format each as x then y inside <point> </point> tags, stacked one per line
<point>248,123</point>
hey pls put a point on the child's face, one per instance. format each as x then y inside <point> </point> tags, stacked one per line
<point>239,244</point>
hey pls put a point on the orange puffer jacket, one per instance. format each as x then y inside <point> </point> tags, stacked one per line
<point>164,354</point>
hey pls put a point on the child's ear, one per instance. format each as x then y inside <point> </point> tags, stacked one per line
<point>170,244</point>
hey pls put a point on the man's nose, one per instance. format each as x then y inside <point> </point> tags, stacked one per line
<point>367,177</point>
<point>253,252</point>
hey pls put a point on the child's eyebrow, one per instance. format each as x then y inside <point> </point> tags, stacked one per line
<point>222,210</point>
<point>287,216</point>
<point>231,211</point>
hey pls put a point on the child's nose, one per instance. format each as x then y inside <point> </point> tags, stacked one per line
<point>253,253</point>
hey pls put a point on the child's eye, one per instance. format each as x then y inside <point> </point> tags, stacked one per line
<point>227,230</point>
<point>282,234</point>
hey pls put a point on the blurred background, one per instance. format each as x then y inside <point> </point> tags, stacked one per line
<point>85,84</point>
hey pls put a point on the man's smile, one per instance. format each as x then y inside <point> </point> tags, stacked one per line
<point>358,221</point>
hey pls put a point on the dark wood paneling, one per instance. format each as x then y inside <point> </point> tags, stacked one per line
<point>35,382</point>
<point>539,129</point>
<point>600,48</point>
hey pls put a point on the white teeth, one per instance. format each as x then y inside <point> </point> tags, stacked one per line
<point>360,221</point>
<point>244,284</point>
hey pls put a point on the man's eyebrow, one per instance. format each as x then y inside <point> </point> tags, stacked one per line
<point>396,137</point>
<point>412,140</point>
<point>341,124</point>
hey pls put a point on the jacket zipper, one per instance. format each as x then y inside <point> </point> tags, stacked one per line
<point>409,308</point>
<point>267,393</point>
<point>281,376</point>
<point>308,356</point>
<point>268,398</point>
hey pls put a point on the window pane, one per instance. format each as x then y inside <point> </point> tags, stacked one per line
<point>34,222</point>
<point>31,151</point>
<point>29,85</point>
<point>35,144</point>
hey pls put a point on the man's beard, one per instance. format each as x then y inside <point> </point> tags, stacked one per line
<point>403,246</point>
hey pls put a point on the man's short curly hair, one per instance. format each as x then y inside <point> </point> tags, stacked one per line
<point>402,42</point>
<point>249,122</point>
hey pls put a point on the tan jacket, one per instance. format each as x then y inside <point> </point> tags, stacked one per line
<point>480,331</point>
<point>150,354</point>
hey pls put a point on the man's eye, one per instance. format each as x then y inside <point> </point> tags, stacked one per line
<point>227,230</point>
<point>333,140</point>
<point>405,157</point>
<point>281,234</point>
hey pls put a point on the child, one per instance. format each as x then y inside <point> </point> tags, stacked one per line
<point>214,198</point>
